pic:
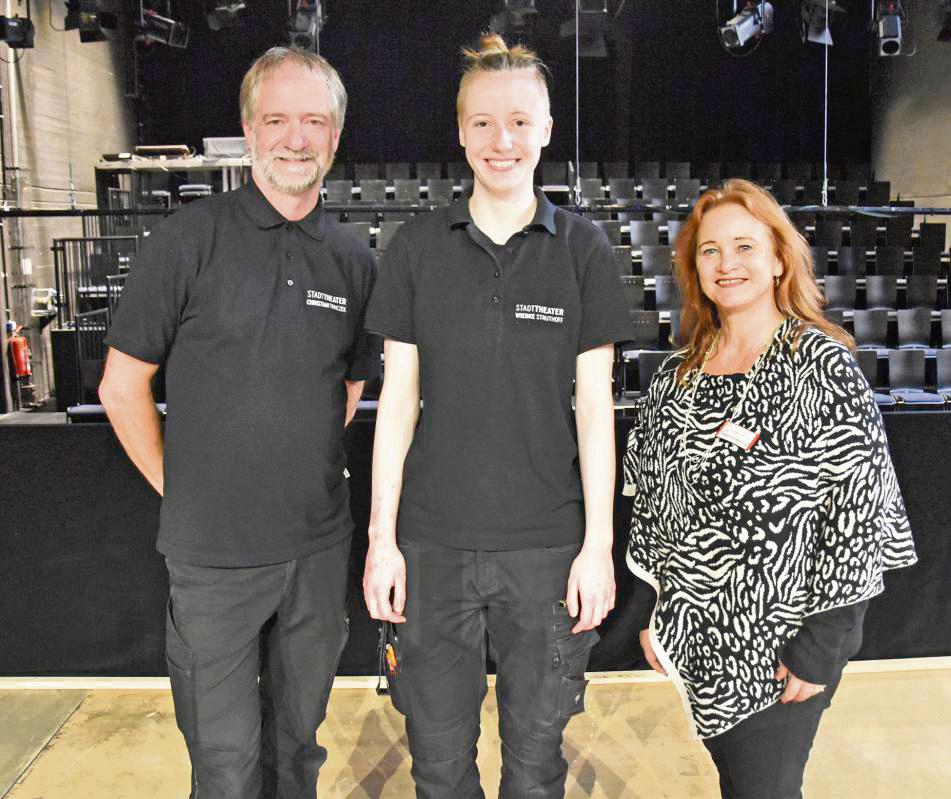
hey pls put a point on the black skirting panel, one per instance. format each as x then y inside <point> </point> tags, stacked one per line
<point>84,592</point>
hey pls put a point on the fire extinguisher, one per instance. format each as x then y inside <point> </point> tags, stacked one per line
<point>20,348</point>
<point>20,356</point>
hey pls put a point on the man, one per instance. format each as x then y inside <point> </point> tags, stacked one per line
<point>502,499</point>
<point>254,301</point>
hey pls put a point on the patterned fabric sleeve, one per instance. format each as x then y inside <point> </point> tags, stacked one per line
<point>865,528</point>
<point>629,464</point>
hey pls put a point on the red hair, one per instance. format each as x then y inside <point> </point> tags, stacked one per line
<point>797,293</point>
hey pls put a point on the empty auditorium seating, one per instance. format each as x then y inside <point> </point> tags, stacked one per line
<point>881,291</point>
<point>871,329</point>
<point>850,261</point>
<point>914,329</point>
<point>622,260</point>
<point>906,381</point>
<point>655,260</point>
<point>840,291</point>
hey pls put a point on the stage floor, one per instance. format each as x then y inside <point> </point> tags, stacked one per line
<point>885,735</point>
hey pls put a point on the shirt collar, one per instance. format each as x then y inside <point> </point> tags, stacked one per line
<point>544,218</point>
<point>266,216</point>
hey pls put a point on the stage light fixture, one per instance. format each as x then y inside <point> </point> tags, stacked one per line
<point>224,14</point>
<point>814,23</point>
<point>157,28</point>
<point>17,32</point>
<point>889,22</point>
<point>304,25</point>
<point>517,17</point>
<point>89,19</point>
<point>755,20</point>
<point>592,23</point>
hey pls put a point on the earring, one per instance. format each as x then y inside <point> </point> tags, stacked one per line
<point>776,281</point>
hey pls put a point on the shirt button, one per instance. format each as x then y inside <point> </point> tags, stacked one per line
<point>290,282</point>
<point>498,273</point>
<point>290,256</point>
<point>288,226</point>
<point>496,298</point>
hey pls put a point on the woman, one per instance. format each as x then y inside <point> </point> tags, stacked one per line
<point>501,497</point>
<point>765,502</point>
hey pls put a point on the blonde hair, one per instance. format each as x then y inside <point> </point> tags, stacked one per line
<point>275,57</point>
<point>494,55</point>
<point>797,294</point>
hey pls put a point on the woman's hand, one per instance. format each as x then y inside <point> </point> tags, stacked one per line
<point>796,690</point>
<point>649,652</point>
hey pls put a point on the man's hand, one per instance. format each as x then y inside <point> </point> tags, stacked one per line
<point>591,587</point>
<point>649,655</point>
<point>796,690</point>
<point>385,578</point>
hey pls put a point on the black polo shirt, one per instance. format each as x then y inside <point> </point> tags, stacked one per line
<point>259,321</point>
<point>494,461</point>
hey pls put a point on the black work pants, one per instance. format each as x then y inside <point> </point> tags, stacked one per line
<point>764,756</point>
<point>455,601</point>
<point>251,738</point>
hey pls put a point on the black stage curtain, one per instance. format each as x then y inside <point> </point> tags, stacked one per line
<point>84,592</point>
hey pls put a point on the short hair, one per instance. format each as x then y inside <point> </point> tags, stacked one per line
<point>277,56</point>
<point>796,292</point>
<point>494,55</point>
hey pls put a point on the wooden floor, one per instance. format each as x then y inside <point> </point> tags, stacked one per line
<point>886,735</point>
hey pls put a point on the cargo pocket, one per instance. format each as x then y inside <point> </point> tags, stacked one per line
<point>570,658</point>
<point>181,661</point>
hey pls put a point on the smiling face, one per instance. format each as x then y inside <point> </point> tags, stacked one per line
<point>736,260</point>
<point>291,136</point>
<point>504,122</point>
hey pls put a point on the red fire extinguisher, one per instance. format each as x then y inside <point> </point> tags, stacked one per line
<point>25,395</point>
<point>20,348</point>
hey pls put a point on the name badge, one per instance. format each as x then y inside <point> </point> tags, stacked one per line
<point>740,436</point>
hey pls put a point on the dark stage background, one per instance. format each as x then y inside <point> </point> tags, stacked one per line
<point>668,92</point>
<point>84,592</point>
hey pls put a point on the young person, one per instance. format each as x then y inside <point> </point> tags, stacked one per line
<point>492,510</point>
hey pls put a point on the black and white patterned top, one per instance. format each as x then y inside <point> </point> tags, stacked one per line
<point>744,546</point>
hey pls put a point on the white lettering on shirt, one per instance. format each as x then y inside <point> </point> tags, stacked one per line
<point>540,313</point>
<point>322,300</point>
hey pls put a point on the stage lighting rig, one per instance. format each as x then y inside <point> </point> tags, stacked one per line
<point>517,17</point>
<point>305,24</point>
<point>224,13</point>
<point>153,27</point>
<point>754,21</point>
<point>814,23</point>
<point>593,19</point>
<point>889,21</point>
<point>89,19</point>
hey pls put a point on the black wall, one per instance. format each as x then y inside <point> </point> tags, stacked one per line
<point>669,93</point>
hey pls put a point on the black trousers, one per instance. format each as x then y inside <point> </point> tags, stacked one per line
<point>764,756</point>
<point>456,601</point>
<point>252,654</point>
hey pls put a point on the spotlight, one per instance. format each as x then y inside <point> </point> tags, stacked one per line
<point>755,20</point>
<point>888,26</point>
<point>17,32</point>
<point>814,25</point>
<point>154,27</point>
<point>303,28</point>
<point>516,17</point>
<point>91,22</point>
<point>224,14</point>
<point>592,24</point>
